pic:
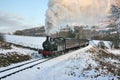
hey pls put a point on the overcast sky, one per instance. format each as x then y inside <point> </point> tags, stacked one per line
<point>21,14</point>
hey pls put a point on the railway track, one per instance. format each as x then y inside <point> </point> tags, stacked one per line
<point>19,68</point>
<point>18,65</point>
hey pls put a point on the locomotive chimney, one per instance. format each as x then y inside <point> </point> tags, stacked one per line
<point>47,38</point>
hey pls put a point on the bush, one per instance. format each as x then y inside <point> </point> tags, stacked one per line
<point>116,41</point>
<point>11,58</point>
<point>101,45</point>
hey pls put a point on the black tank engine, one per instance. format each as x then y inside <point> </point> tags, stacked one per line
<point>56,46</point>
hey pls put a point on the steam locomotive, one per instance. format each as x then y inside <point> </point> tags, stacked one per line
<point>60,45</point>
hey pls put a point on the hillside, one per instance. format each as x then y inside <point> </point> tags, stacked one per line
<point>38,31</point>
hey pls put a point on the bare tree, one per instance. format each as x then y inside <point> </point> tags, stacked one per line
<point>1,37</point>
<point>115,16</point>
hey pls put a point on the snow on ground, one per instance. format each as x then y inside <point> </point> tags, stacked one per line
<point>76,65</point>
<point>114,51</point>
<point>95,42</point>
<point>41,74</point>
<point>19,68</point>
<point>34,42</point>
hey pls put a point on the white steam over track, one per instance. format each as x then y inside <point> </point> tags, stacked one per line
<point>75,12</point>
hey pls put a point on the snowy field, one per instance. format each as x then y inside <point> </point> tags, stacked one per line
<point>34,42</point>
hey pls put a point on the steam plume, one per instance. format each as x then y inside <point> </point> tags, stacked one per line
<point>71,12</point>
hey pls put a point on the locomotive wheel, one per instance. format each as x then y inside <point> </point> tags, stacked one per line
<point>49,55</point>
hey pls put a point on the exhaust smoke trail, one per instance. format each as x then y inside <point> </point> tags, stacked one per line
<point>74,12</point>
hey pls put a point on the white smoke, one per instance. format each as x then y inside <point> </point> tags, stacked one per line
<point>70,12</point>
